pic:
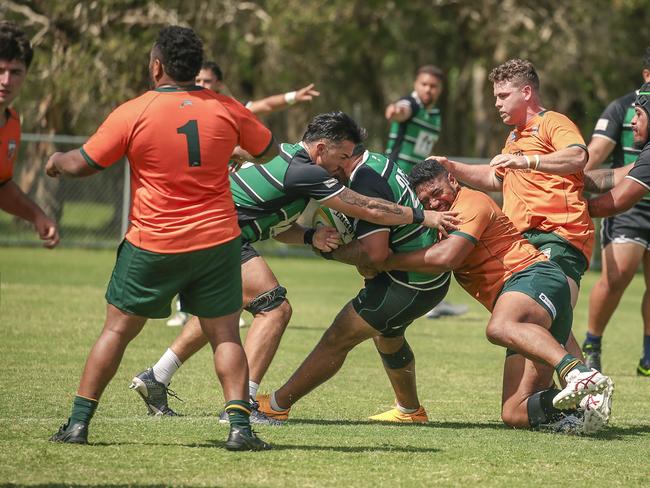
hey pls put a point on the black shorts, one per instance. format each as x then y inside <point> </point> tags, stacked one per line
<point>632,226</point>
<point>248,252</point>
<point>391,307</point>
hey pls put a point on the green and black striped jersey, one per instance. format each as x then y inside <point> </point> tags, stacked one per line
<point>271,196</point>
<point>379,177</point>
<point>411,141</point>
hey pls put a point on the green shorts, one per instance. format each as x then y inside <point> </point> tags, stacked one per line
<point>545,283</point>
<point>573,262</point>
<point>208,281</point>
<point>391,307</point>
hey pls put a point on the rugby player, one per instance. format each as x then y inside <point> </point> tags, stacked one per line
<point>183,236</point>
<point>632,189</point>
<point>268,199</point>
<point>530,302</point>
<point>15,57</point>
<point>383,309</point>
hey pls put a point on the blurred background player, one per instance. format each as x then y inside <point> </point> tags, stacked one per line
<point>211,77</point>
<point>625,238</point>
<point>15,57</point>
<point>178,139</point>
<point>631,190</point>
<point>415,127</point>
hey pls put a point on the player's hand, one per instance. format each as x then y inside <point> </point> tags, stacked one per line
<point>391,110</point>
<point>368,272</point>
<point>511,161</point>
<point>306,94</point>
<point>443,221</point>
<point>50,168</point>
<point>238,157</point>
<point>47,231</point>
<point>443,160</point>
<point>326,239</point>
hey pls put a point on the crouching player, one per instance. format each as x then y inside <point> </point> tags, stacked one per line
<point>530,301</point>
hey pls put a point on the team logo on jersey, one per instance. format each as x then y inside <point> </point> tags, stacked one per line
<point>330,183</point>
<point>534,130</point>
<point>186,103</point>
<point>11,149</point>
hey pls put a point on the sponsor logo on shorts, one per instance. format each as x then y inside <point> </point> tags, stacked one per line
<point>546,252</point>
<point>331,182</point>
<point>549,304</point>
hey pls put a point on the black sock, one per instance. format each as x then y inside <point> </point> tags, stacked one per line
<point>541,409</point>
<point>238,413</point>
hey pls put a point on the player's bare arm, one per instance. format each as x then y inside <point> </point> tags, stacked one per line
<point>324,238</point>
<point>602,180</point>
<point>569,160</point>
<point>15,202</point>
<point>371,250</point>
<point>479,176</point>
<point>599,150</point>
<point>283,100</point>
<point>443,256</point>
<point>71,164</point>
<point>383,212</point>
<point>619,199</point>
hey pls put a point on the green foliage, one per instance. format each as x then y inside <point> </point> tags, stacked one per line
<point>53,307</point>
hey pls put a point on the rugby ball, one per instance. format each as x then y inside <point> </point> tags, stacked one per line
<point>331,218</point>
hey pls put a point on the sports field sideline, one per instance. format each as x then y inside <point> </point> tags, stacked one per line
<point>52,307</point>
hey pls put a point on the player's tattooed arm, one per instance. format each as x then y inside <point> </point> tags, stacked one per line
<point>603,180</point>
<point>351,253</point>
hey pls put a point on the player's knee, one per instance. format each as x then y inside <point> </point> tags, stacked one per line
<point>617,281</point>
<point>398,359</point>
<point>514,416</point>
<point>269,301</point>
<point>496,332</point>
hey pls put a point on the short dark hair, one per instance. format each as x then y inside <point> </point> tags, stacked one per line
<point>646,58</point>
<point>430,69</point>
<point>14,44</point>
<point>425,171</point>
<point>214,67</point>
<point>518,71</point>
<point>334,127</point>
<point>180,51</point>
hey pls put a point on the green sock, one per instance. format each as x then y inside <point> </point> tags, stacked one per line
<point>568,363</point>
<point>238,413</point>
<point>82,409</point>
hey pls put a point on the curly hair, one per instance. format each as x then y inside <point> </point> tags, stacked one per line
<point>518,71</point>
<point>426,170</point>
<point>14,44</point>
<point>214,67</point>
<point>180,51</point>
<point>335,127</point>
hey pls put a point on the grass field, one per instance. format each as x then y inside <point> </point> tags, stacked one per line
<point>52,307</point>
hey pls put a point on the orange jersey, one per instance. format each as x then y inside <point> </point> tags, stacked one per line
<point>499,252</point>
<point>178,143</point>
<point>543,201</point>
<point>9,143</point>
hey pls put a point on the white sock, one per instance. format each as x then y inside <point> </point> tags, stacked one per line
<point>274,404</point>
<point>252,389</point>
<point>404,409</point>
<point>166,366</point>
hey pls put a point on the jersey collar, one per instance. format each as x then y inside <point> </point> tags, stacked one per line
<point>171,88</point>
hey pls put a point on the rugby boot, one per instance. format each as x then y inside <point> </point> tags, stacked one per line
<point>71,433</point>
<point>264,406</point>
<point>153,393</point>
<point>395,415</point>
<point>578,386</point>
<point>244,439</point>
<point>592,356</point>
<point>643,369</point>
<point>256,417</point>
<point>596,409</point>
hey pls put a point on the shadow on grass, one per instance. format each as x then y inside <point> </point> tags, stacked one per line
<point>211,444</point>
<point>620,433</point>
<point>430,425</point>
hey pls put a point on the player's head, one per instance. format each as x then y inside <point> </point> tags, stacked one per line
<point>176,54</point>
<point>516,86</point>
<point>15,57</point>
<point>641,116</point>
<point>210,76</point>
<point>331,139</point>
<point>428,84</point>
<point>434,186</point>
<point>646,65</point>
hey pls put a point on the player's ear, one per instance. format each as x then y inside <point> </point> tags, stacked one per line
<point>527,91</point>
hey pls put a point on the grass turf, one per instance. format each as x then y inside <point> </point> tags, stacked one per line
<point>52,308</point>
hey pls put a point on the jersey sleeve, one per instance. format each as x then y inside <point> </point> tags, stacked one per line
<point>254,137</point>
<point>561,132</point>
<point>410,102</point>
<point>369,183</point>
<point>310,180</point>
<point>109,144</point>
<point>610,123</point>
<point>640,172</point>
<point>475,214</point>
